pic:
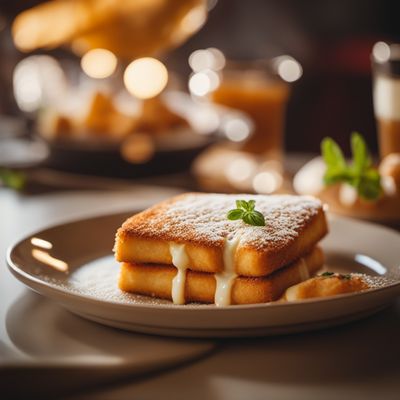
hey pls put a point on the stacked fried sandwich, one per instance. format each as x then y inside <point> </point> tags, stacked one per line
<point>187,250</point>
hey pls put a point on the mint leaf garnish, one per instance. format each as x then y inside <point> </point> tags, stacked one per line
<point>242,204</point>
<point>361,158</point>
<point>332,154</point>
<point>235,214</point>
<point>246,211</point>
<point>359,173</point>
<point>251,205</point>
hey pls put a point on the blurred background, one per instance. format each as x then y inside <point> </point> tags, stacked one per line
<point>216,80</point>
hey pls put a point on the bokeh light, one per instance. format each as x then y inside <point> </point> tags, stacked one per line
<point>200,59</point>
<point>381,52</point>
<point>99,63</point>
<point>347,195</point>
<point>204,59</point>
<point>193,20</point>
<point>288,68</point>
<point>267,182</point>
<point>138,148</point>
<point>38,80</point>
<point>240,171</point>
<point>199,84</point>
<point>237,129</point>
<point>145,77</point>
<point>202,83</point>
<point>202,116</point>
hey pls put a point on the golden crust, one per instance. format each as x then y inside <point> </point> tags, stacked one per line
<point>294,225</point>
<point>324,286</point>
<point>156,280</point>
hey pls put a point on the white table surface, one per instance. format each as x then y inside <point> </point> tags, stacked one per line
<point>360,360</point>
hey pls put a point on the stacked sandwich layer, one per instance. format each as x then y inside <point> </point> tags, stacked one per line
<point>185,249</point>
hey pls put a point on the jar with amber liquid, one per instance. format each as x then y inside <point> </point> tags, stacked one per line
<point>255,89</point>
<point>386,94</point>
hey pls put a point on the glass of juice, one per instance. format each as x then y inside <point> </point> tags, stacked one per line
<point>258,90</point>
<point>386,95</point>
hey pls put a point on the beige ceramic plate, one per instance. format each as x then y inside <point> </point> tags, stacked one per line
<point>89,286</point>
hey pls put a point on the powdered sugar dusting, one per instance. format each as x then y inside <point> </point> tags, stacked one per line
<point>201,218</point>
<point>98,280</point>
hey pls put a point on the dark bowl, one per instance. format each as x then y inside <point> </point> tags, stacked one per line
<point>104,159</point>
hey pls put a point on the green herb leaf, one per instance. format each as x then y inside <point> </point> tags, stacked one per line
<point>241,204</point>
<point>246,211</point>
<point>254,218</point>
<point>360,173</point>
<point>334,176</point>
<point>327,273</point>
<point>369,186</point>
<point>251,205</point>
<point>332,154</point>
<point>235,214</point>
<point>361,158</point>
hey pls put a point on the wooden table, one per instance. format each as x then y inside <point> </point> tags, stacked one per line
<point>360,360</point>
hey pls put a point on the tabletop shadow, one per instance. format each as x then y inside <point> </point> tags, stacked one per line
<point>74,353</point>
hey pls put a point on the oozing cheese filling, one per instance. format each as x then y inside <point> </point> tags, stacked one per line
<point>181,261</point>
<point>291,292</point>
<point>225,279</point>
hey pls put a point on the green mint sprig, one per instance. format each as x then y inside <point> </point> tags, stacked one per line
<point>359,173</point>
<point>328,273</point>
<point>245,210</point>
<point>333,274</point>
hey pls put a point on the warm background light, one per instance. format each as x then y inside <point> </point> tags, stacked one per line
<point>204,82</point>
<point>138,148</point>
<point>206,64</point>
<point>203,59</point>
<point>128,28</point>
<point>381,52</point>
<point>99,63</point>
<point>193,20</point>
<point>237,129</point>
<point>289,69</point>
<point>240,171</point>
<point>267,182</point>
<point>145,77</point>
<point>38,80</point>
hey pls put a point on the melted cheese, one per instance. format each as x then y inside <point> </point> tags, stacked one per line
<point>291,293</point>
<point>181,261</point>
<point>225,279</point>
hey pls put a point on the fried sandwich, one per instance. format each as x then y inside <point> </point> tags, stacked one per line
<point>186,249</point>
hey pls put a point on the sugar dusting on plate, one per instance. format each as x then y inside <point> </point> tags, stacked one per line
<point>99,280</point>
